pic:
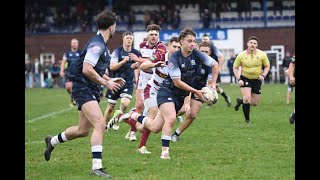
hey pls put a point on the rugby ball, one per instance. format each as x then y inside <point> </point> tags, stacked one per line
<point>210,95</point>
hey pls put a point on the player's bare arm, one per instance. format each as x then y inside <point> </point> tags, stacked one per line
<point>136,58</point>
<point>116,65</point>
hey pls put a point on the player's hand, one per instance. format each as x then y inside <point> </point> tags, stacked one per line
<point>114,86</point>
<point>126,58</point>
<point>133,56</point>
<point>118,80</point>
<point>292,80</point>
<point>199,94</point>
<point>240,82</point>
<point>62,74</point>
<point>261,78</point>
<point>187,108</point>
<point>212,86</point>
<point>159,64</point>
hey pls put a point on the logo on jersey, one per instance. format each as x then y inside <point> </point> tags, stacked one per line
<point>183,65</point>
<point>193,62</point>
<point>95,49</point>
<point>202,71</point>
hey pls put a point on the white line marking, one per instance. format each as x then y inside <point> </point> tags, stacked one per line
<point>48,115</point>
<point>52,114</point>
<point>34,142</point>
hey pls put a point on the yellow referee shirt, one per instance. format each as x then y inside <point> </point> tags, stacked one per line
<point>251,63</point>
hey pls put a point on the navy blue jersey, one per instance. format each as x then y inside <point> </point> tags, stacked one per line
<point>125,71</point>
<point>72,58</point>
<point>215,53</point>
<point>95,53</point>
<point>193,70</point>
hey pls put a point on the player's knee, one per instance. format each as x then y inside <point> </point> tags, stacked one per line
<point>110,107</point>
<point>171,121</point>
<point>124,106</point>
<point>246,99</point>
<point>192,116</point>
<point>83,133</point>
<point>139,107</point>
<point>155,129</point>
<point>254,103</point>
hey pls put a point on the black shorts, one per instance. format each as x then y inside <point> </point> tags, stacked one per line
<point>164,95</point>
<point>82,94</point>
<point>254,84</point>
<point>126,89</point>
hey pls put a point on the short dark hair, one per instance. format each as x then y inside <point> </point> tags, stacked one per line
<point>155,27</point>
<point>204,44</point>
<point>105,19</point>
<point>253,37</point>
<point>127,33</point>
<point>174,39</point>
<point>205,35</point>
<point>185,32</point>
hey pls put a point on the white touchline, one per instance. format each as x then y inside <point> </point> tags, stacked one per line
<point>48,115</point>
<point>52,114</point>
<point>33,142</point>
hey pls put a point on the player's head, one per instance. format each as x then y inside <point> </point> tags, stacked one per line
<point>187,38</point>
<point>205,47</point>
<point>252,43</point>
<point>74,44</point>
<point>205,38</point>
<point>153,31</point>
<point>173,45</point>
<point>127,38</point>
<point>106,21</point>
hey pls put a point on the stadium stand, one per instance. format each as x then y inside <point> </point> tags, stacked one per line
<point>59,16</point>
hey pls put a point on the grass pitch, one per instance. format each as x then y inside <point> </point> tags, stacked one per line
<point>218,145</point>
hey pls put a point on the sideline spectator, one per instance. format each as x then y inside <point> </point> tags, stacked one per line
<point>37,72</point>
<point>28,73</point>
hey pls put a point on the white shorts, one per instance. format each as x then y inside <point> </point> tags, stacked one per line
<point>144,77</point>
<point>149,103</point>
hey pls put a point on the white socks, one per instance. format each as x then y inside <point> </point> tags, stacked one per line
<point>96,162</point>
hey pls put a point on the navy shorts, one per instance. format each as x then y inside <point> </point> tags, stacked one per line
<point>82,94</point>
<point>126,89</point>
<point>164,95</point>
<point>290,87</point>
<point>69,77</point>
<point>255,84</point>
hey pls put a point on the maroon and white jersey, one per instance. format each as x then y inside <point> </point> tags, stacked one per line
<point>159,74</point>
<point>154,53</point>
